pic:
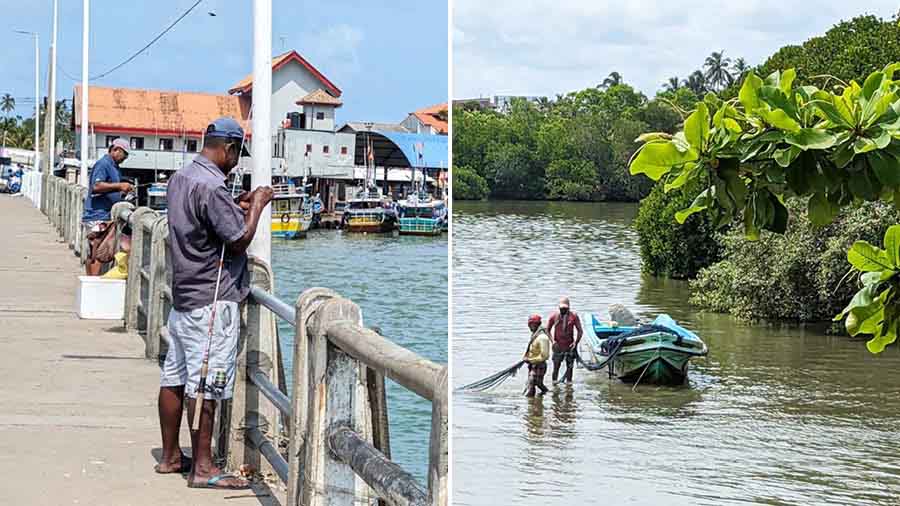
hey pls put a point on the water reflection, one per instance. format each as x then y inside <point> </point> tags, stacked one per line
<point>776,414</point>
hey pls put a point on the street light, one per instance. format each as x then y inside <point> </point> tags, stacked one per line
<point>37,99</point>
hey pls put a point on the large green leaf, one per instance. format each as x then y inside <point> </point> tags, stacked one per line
<point>868,258</point>
<point>892,245</point>
<point>787,79</point>
<point>878,343</point>
<point>811,138</point>
<point>700,203</point>
<point>885,167</point>
<point>657,159</point>
<point>821,211</point>
<point>653,136</point>
<point>785,156</point>
<point>686,173</point>
<point>779,119</point>
<point>749,94</point>
<point>871,85</point>
<point>696,127</point>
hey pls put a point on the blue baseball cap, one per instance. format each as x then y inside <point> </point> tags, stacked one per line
<point>225,127</point>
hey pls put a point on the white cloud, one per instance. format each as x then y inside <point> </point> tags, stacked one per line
<point>546,47</point>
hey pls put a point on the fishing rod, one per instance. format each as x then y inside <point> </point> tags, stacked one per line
<point>220,379</point>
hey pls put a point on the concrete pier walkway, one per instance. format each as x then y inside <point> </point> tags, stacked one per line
<point>78,422</point>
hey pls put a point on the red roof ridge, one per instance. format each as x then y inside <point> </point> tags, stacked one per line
<point>246,84</point>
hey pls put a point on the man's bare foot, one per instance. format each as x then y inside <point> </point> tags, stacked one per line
<point>180,464</point>
<point>217,479</point>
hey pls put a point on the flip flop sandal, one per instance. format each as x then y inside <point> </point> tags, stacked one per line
<point>185,467</point>
<point>213,483</point>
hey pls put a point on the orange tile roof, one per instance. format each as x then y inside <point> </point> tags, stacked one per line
<point>429,116</point>
<point>322,97</point>
<point>153,111</point>
<point>246,84</point>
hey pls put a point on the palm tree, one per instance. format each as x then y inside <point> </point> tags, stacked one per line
<point>696,82</point>
<point>672,84</point>
<point>7,103</point>
<point>614,79</point>
<point>740,67</point>
<point>717,73</point>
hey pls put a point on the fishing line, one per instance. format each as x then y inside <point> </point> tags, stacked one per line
<point>204,369</point>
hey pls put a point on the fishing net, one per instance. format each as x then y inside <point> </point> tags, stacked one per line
<point>493,380</point>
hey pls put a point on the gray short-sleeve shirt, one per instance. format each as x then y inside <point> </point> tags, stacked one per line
<point>202,218</point>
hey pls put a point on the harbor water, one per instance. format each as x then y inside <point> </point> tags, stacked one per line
<point>775,415</point>
<point>400,283</point>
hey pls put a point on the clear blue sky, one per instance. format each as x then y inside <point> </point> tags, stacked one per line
<point>389,59</point>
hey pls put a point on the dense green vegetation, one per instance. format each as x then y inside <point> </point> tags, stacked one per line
<point>670,250</point>
<point>796,275</point>
<point>467,184</point>
<point>837,147</point>
<point>575,147</point>
<point>18,132</point>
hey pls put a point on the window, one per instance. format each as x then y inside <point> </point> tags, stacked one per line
<point>325,149</point>
<point>165,144</point>
<point>320,115</point>
<point>343,150</point>
<point>110,139</point>
<point>137,143</point>
<point>309,148</point>
<point>191,146</point>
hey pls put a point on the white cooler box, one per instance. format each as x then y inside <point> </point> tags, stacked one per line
<point>100,299</point>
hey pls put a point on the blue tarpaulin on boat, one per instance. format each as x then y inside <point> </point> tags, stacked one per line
<point>433,148</point>
<point>665,320</point>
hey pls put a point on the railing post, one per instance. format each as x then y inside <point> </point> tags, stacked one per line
<point>79,228</point>
<point>136,263</point>
<point>248,407</point>
<point>307,304</point>
<point>438,449</point>
<point>338,397</point>
<point>45,189</point>
<point>156,316</point>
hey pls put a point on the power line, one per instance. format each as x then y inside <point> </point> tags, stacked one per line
<point>138,52</point>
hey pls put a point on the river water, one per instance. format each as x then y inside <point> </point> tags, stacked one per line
<point>776,414</point>
<point>400,283</point>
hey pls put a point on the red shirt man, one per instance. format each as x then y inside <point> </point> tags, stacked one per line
<point>563,326</point>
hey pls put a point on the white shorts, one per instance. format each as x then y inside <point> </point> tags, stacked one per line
<point>189,332</point>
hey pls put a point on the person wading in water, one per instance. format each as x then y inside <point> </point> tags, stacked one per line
<point>562,326</point>
<point>537,355</point>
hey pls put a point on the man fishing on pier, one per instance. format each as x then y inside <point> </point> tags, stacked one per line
<point>537,354</point>
<point>204,220</point>
<point>106,188</point>
<point>563,325</point>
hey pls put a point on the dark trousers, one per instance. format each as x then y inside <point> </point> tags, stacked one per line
<point>536,374</point>
<point>558,357</point>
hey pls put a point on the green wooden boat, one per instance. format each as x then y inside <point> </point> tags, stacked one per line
<point>658,353</point>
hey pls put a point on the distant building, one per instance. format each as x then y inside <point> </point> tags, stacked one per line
<point>499,103</point>
<point>165,129</point>
<point>431,121</point>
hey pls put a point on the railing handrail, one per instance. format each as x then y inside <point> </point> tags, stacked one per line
<point>330,428</point>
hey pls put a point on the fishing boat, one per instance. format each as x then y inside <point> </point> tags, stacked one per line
<point>422,215</point>
<point>370,212</point>
<point>658,353</point>
<point>292,211</point>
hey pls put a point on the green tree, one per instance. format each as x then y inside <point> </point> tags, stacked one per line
<point>717,72</point>
<point>613,79</point>
<point>740,68</point>
<point>467,184</point>
<point>7,103</point>
<point>672,84</point>
<point>570,179</point>
<point>696,82</point>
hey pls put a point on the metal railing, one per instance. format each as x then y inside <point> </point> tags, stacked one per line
<point>328,442</point>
